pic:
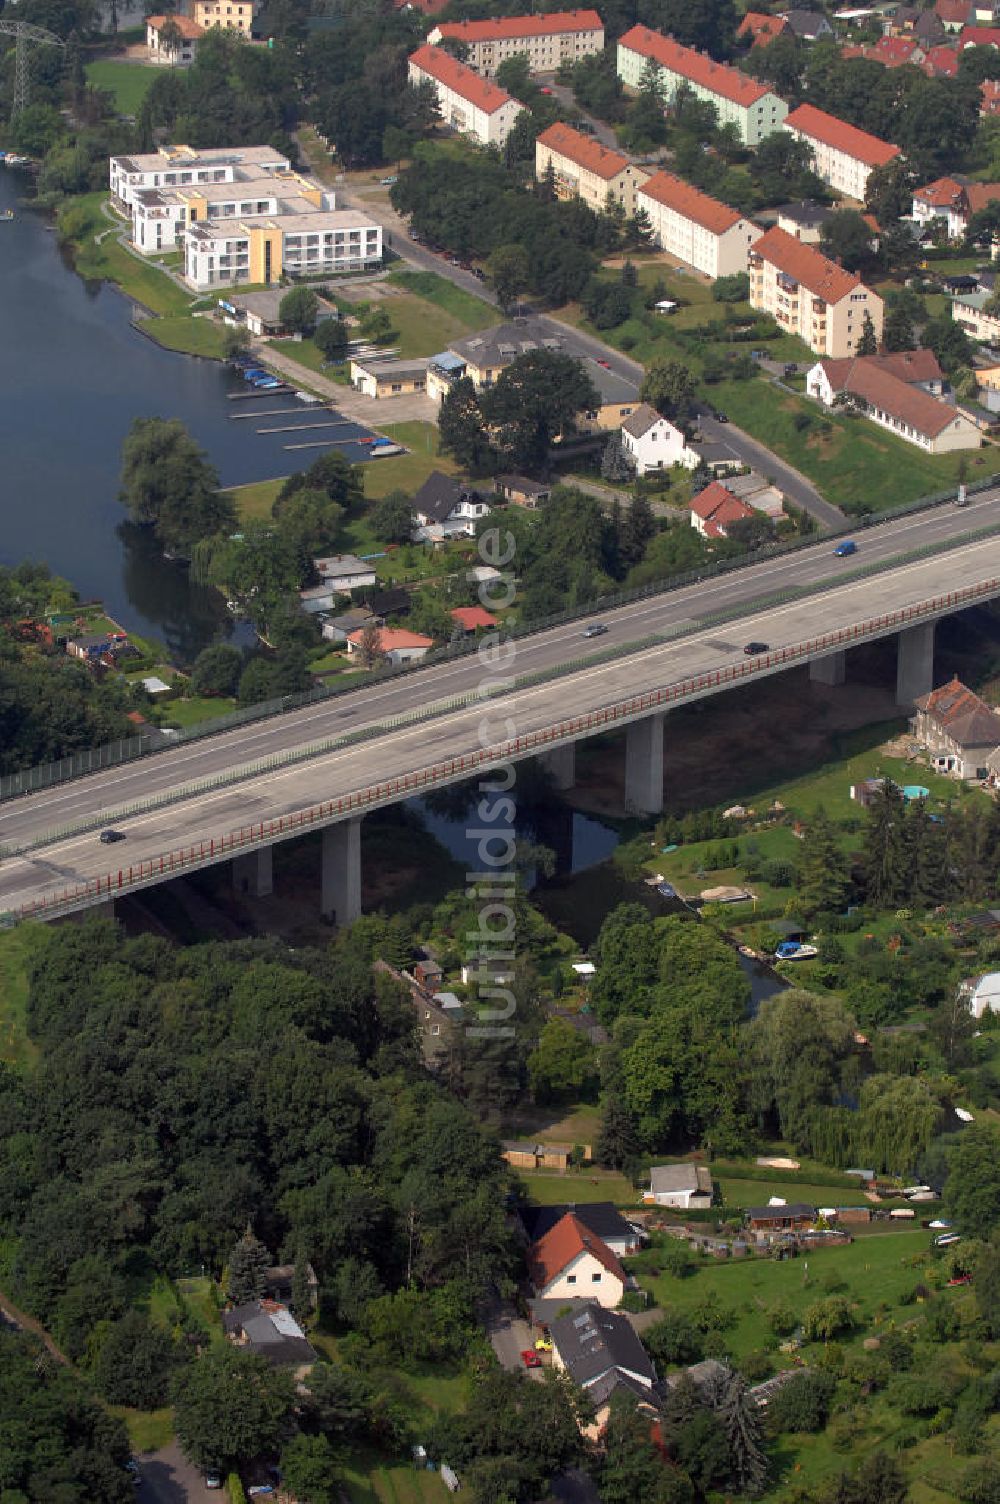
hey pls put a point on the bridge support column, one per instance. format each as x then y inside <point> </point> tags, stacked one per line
<point>914,663</point>
<point>560,764</point>
<point>341,896</point>
<point>831,670</point>
<point>644,766</point>
<point>253,873</point>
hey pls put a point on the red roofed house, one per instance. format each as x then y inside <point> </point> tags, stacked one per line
<point>739,100</point>
<point>941,62</point>
<point>468,103</point>
<point>761,28</point>
<point>896,393</point>
<point>572,1263</point>
<point>701,232</point>
<point>953,14</point>
<point>473,618</point>
<point>714,510</point>
<point>893,52</point>
<point>583,168</point>
<point>989,91</point>
<point>843,156</point>
<point>954,200</point>
<point>958,729</point>
<point>397,645</point>
<point>811,296</point>
<point>979,36</point>
<point>177,47</point>
<point>545,40</point>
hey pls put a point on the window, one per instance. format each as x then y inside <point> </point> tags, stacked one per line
<point>571,1279</point>
<point>595,1279</point>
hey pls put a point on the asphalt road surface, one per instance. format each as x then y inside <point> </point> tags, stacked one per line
<point>268,795</point>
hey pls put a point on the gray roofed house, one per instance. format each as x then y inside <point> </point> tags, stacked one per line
<point>590,1343</point>
<point>271,1330</point>
<point>345,572</point>
<point>444,507</point>
<point>808,25</point>
<point>957,729</point>
<point>687,1186</point>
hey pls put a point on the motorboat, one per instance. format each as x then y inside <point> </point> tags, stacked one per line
<point>6,214</point>
<point>794,950</point>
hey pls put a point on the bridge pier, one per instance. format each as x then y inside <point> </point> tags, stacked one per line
<point>831,670</point>
<point>341,889</point>
<point>253,873</point>
<point>644,766</point>
<point>914,663</point>
<point>560,764</point>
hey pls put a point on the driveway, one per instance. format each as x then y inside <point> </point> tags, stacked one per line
<point>800,491</point>
<point>509,1336</point>
<point>168,1478</point>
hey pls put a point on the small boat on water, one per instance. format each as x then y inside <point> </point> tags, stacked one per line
<point>6,214</point>
<point>12,159</point>
<point>792,950</point>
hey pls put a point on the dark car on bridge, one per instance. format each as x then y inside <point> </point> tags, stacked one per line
<point>109,837</point>
<point>751,649</point>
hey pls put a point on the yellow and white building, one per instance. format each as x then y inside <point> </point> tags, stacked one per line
<point>811,296</point>
<point>160,216</point>
<point>232,15</point>
<point>584,169</point>
<point>185,167</point>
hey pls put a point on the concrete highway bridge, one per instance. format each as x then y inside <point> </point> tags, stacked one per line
<point>232,796</point>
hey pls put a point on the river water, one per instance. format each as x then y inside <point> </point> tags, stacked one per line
<point>74,373</point>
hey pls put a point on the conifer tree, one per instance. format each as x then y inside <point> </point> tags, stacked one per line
<point>247,1264</point>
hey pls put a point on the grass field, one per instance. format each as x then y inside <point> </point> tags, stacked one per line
<point>367,1481</point>
<point>16,949</point>
<point>407,472</point>
<point>551,1188</point>
<point>256,499</point>
<point>108,261</point>
<point>148,1430</point>
<point>741,1193</point>
<point>192,711</point>
<point>128,82</point>
<point>873,1272</point>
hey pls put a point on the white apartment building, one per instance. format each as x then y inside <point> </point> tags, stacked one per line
<point>843,156</point>
<point>701,232</point>
<point>811,296</point>
<point>583,168</point>
<point>184,167</point>
<point>160,216</point>
<point>739,100</point>
<point>468,104</point>
<point>546,41</point>
<point>218,254</point>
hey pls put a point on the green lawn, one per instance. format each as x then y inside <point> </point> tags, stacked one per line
<point>16,949</point>
<point>80,222</point>
<point>193,710</point>
<point>148,1430</point>
<point>551,1187</point>
<point>407,472</point>
<point>256,499</point>
<point>128,82</point>
<point>188,335</point>
<point>740,1193</point>
<point>851,460</point>
<point>306,354</point>
<point>367,1481</point>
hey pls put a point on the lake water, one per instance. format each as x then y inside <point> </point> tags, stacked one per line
<point>74,373</point>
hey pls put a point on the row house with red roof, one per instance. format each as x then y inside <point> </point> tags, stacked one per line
<point>545,40</point>
<point>582,168</point>
<point>810,295</point>
<point>469,104</point>
<point>899,392</point>
<point>843,156</point>
<point>754,109</point>
<point>704,234</point>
